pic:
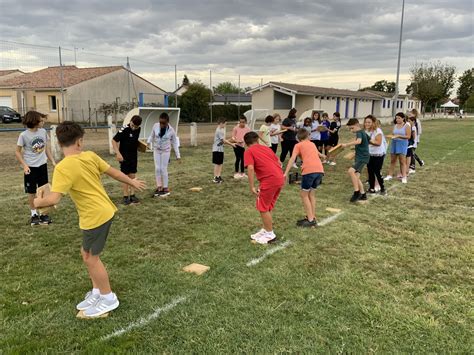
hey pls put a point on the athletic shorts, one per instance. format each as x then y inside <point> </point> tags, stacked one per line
<point>129,166</point>
<point>311,181</point>
<point>37,177</point>
<point>359,165</point>
<point>218,158</point>
<point>399,146</point>
<point>93,240</point>
<point>267,197</point>
<point>332,142</point>
<point>318,143</point>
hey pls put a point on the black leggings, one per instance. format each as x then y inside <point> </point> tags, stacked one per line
<point>374,167</point>
<point>239,158</point>
<point>286,147</point>
<point>275,147</point>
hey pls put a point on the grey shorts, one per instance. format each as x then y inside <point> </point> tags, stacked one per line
<point>359,165</point>
<point>93,240</point>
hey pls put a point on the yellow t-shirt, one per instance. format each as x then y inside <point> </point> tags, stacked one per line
<point>79,175</point>
<point>266,136</point>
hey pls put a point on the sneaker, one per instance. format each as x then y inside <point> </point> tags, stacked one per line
<point>404,180</point>
<point>332,163</point>
<point>221,180</point>
<point>295,166</point>
<point>422,163</point>
<point>89,300</point>
<point>134,199</point>
<point>258,234</point>
<point>301,221</point>
<point>126,201</point>
<point>411,171</point>
<point>157,193</point>
<point>355,196</point>
<point>363,197</point>
<point>383,192</point>
<point>308,224</point>
<point>388,178</point>
<point>371,191</point>
<point>237,176</point>
<point>102,306</point>
<point>216,180</point>
<point>35,220</point>
<point>266,237</point>
<point>165,193</point>
<point>45,219</point>
<point>243,176</point>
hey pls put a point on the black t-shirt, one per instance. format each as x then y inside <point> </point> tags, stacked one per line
<point>334,127</point>
<point>128,140</point>
<point>289,135</point>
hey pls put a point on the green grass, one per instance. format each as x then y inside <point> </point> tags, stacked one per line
<point>394,275</point>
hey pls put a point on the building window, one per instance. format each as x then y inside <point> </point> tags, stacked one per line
<point>52,103</point>
<point>383,103</point>
<point>401,104</point>
<point>388,103</point>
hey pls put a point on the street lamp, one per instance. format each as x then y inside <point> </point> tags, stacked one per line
<point>395,98</point>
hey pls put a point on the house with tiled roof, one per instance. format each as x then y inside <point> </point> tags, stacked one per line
<point>85,90</point>
<point>278,97</point>
<point>6,96</point>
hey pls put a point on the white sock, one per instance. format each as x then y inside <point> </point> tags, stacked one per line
<point>109,296</point>
<point>95,291</point>
<point>33,212</point>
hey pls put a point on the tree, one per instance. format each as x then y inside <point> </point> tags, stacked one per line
<point>466,85</point>
<point>469,103</point>
<point>382,85</point>
<point>227,87</point>
<point>194,103</point>
<point>431,82</point>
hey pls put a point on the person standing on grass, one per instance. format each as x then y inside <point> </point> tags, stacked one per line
<point>162,138</point>
<point>264,132</point>
<point>238,134</point>
<point>399,147</point>
<point>275,128</point>
<point>79,175</point>
<point>411,145</point>
<point>289,136</point>
<point>325,134</point>
<point>362,157</point>
<point>312,175</point>
<point>334,127</point>
<point>377,149</point>
<point>33,152</point>
<point>262,162</point>
<point>125,144</point>
<point>218,150</point>
<point>316,129</point>
<point>419,130</point>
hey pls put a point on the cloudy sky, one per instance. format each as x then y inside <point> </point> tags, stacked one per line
<point>338,43</point>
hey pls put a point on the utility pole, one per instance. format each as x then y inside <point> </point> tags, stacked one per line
<point>129,73</point>
<point>62,82</point>
<point>238,107</point>
<point>395,98</point>
<point>75,56</point>
<point>211,92</point>
<point>175,85</point>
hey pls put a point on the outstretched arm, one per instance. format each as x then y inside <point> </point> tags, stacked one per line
<point>354,142</point>
<point>119,176</point>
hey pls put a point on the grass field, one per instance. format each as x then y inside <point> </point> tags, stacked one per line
<point>394,275</point>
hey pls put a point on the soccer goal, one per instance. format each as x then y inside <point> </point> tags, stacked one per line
<point>255,115</point>
<point>150,116</point>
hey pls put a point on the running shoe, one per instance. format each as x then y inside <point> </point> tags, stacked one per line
<point>35,220</point>
<point>89,300</point>
<point>102,306</point>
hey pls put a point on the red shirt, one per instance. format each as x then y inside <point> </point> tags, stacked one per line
<point>266,164</point>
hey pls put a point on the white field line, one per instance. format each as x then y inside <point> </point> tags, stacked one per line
<point>330,219</point>
<point>145,320</point>
<point>269,252</point>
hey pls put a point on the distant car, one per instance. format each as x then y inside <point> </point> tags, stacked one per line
<point>8,115</point>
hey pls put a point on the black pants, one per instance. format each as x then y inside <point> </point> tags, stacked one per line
<point>239,158</point>
<point>374,167</point>
<point>286,147</point>
<point>411,158</point>
<point>275,147</point>
<point>417,158</point>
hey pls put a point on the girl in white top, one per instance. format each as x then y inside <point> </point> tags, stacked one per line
<point>275,128</point>
<point>264,132</point>
<point>377,149</point>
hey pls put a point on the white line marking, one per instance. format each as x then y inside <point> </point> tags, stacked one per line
<point>145,320</point>
<point>330,219</point>
<point>269,252</point>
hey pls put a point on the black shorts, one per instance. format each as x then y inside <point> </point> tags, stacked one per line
<point>318,143</point>
<point>129,166</point>
<point>218,158</point>
<point>93,240</point>
<point>332,142</point>
<point>37,177</point>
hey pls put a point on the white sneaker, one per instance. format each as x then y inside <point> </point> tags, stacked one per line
<point>388,177</point>
<point>295,166</point>
<point>258,234</point>
<point>102,306</point>
<point>243,175</point>
<point>236,176</point>
<point>89,300</point>
<point>332,163</point>
<point>411,171</point>
<point>404,180</point>
<point>265,238</point>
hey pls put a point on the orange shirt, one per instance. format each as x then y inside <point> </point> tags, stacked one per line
<point>309,154</point>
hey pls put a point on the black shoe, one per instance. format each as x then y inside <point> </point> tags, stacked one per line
<point>371,191</point>
<point>165,193</point>
<point>44,219</point>
<point>134,199</point>
<point>308,224</point>
<point>301,221</point>
<point>216,180</point>
<point>35,220</point>
<point>355,196</point>
<point>157,193</point>
<point>383,192</point>
<point>126,200</point>
<point>220,179</point>
<point>422,163</point>
<point>363,197</point>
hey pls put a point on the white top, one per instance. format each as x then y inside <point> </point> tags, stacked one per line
<point>414,145</point>
<point>34,147</point>
<point>418,134</point>
<point>275,127</point>
<point>377,149</point>
<point>315,135</point>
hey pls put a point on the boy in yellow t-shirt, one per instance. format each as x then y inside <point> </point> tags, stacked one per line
<point>79,175</point>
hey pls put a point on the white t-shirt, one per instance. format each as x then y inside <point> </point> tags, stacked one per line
<point>34,147</point>
<point>377,149</point>
<point>274,127</point>
<point>315,135</point>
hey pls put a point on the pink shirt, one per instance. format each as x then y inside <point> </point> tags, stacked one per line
<point>239,134</point>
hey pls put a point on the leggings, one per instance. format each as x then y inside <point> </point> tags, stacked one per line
<point>286,147</point>
<point>162,160</point>
<point>374,167</point>
<point>239,158</point>
<point>417,158</point>
<point>274,147</point>
<point>411,158</point>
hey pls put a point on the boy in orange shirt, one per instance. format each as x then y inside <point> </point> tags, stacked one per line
<point>312,172</point>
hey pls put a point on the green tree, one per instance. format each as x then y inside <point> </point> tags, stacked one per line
<point>382,85</point>
<point>431,82</point>
<point>466,85</point>
<point>469,103</point>
<point>194,103</point>
<point>227,87</point>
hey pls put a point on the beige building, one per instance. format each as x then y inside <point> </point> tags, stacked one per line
<point>281,97</point>
<point>87,92</point>
<point>8,97</point>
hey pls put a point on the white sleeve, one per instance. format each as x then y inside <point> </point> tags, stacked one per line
<point>174,142</point>
<point>20,141</point>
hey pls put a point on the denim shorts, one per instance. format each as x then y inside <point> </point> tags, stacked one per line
<point>399,146</point>
<point>311,181</point>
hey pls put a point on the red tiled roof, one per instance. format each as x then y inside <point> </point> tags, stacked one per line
<point>9,71</point>
<point>50,78</point>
